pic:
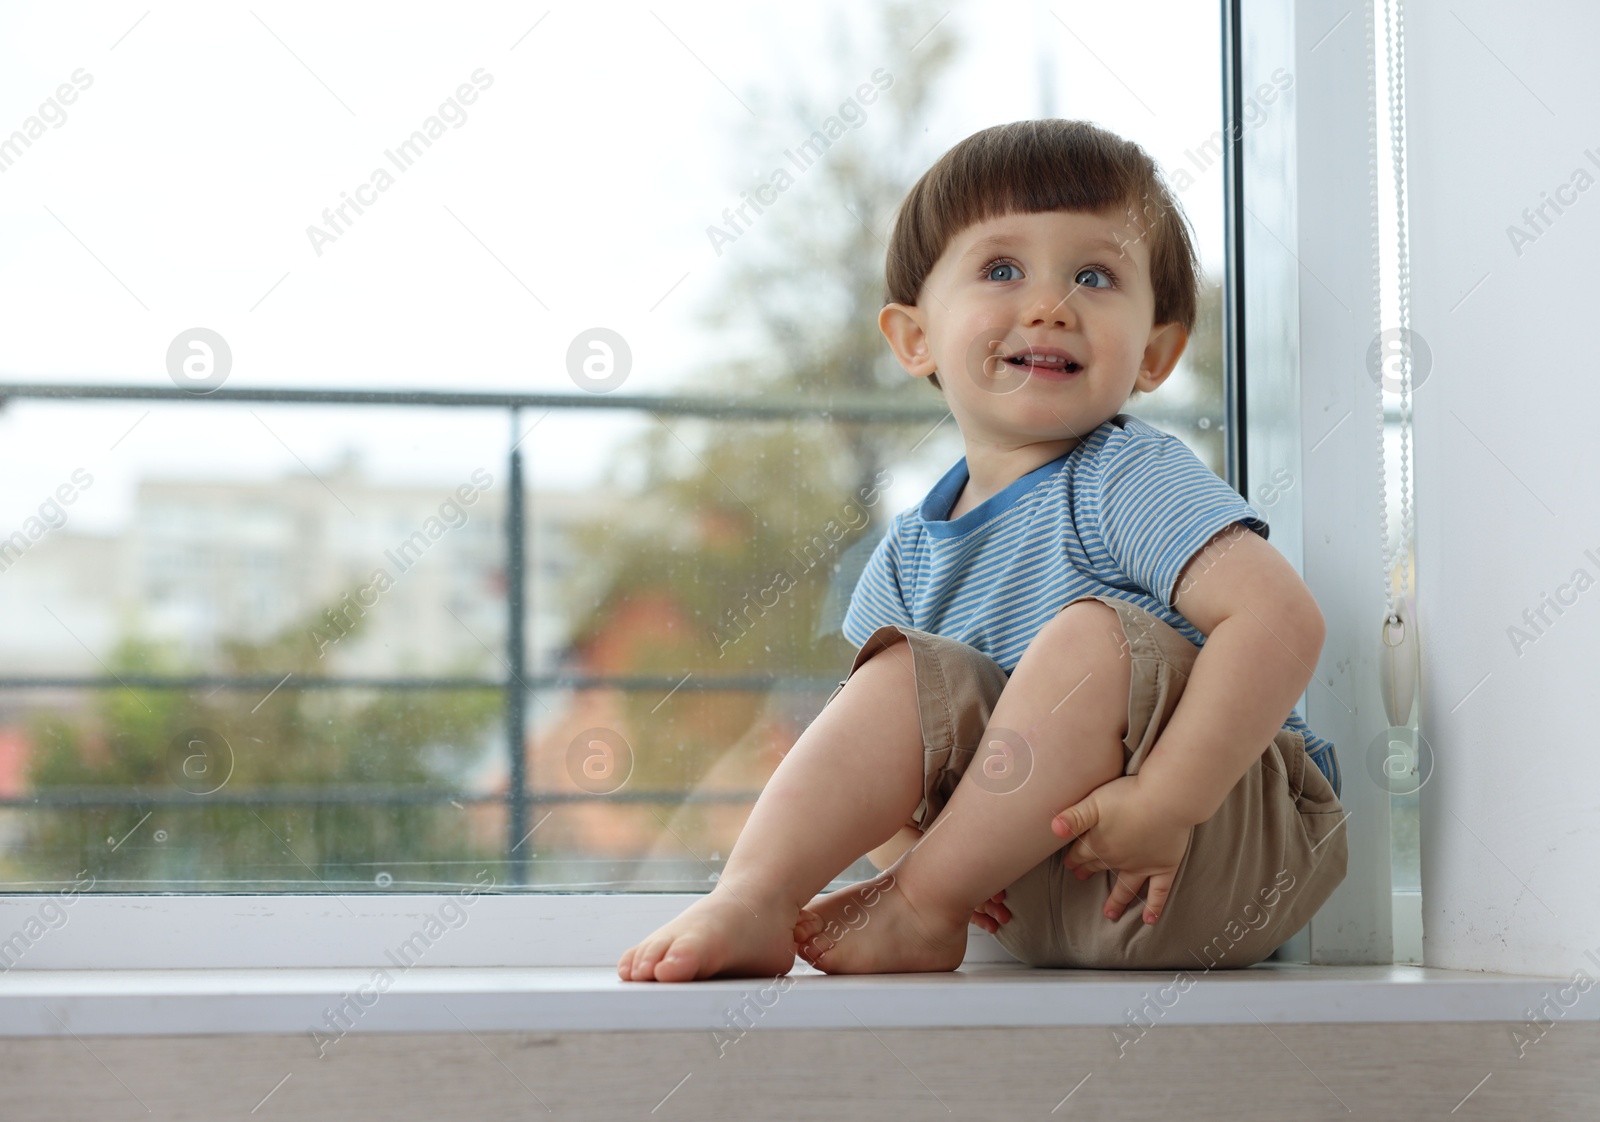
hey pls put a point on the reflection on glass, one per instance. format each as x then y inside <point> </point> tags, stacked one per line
<point>270,649</point>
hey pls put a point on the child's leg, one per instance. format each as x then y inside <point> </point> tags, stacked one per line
<point>1068,702</point>
<point>849,783</point>
<point>1066,706</point>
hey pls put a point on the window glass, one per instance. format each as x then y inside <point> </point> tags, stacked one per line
<point>258,645</point>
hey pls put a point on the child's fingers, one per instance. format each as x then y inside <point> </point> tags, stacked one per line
<point>1086,868</point>
<point>1125,890</point>
<point>1077,819</point>
<point>1081,857</point>
<point>991,913</point>
<point>807,924</point>
<point>1156,901</point>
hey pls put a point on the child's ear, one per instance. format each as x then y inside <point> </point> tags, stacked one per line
<point>902,326</point>
<point>1161,354</point>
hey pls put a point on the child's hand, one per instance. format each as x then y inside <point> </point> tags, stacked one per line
<point>990,914</point>
<point>1116,828</point>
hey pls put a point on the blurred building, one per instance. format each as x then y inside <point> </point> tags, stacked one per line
<point>205,562</point>
<point>201,563</point>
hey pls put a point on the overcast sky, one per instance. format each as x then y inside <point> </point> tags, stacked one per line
<point>576,192</point>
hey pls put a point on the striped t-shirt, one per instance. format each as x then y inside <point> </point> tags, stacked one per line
<point>1119,515</point>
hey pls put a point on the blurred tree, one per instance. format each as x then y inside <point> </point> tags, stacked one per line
<point>737,503</point>
<point>137,739</point>
<point>753,516</point>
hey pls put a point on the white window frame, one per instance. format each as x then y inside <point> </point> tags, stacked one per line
<point>1306,259</point>
<point>1307,251</point>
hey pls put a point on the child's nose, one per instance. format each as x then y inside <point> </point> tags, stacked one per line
<point>1053,304</point>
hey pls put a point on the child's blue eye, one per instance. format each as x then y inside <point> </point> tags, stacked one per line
<point>989,272</point>
<point>1107,280</point>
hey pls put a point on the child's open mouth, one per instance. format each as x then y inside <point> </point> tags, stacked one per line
<point>1044,362</point>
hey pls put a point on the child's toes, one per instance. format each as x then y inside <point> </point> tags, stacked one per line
<point>625,965</point>
<point>643,966</point>
<point>678,964</point>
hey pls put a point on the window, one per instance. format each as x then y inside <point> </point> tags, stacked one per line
<point>434,420</point>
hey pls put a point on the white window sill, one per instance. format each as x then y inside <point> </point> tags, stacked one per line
<point>114,964</point>
<point>36,1003</point>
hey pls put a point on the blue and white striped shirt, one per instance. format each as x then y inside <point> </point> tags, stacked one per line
<point>1120,515</point>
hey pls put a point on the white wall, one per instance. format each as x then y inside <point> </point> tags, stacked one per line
<point>1502,105</point>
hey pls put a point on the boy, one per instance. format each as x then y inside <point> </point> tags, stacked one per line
<point>1078,656</point>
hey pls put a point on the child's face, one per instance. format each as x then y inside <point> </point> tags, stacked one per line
<point>1021,287</point>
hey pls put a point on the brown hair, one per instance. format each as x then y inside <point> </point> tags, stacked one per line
<point>1032,166</point>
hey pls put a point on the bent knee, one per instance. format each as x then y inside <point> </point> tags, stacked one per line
<point>1085,627</point>
<point>892,647</point>
<point>889,662</point>
<point>1084,651</point>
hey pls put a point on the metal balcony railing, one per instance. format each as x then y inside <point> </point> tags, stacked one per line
<point>518,682</point>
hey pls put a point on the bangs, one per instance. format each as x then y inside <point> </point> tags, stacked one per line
<point>1032,166</point>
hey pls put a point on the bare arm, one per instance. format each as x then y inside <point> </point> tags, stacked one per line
<point>1263,636</point>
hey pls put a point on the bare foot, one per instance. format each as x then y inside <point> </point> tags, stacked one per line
<point>872,927</point>
<point>722,934</point>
